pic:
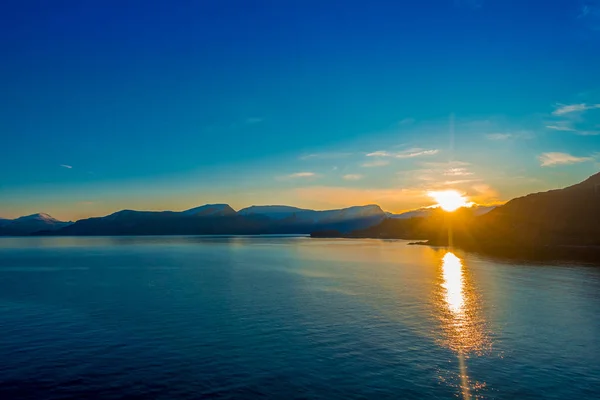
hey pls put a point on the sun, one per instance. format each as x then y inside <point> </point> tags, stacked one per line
<point>449,200</point>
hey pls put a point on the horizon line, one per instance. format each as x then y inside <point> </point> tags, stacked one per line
<point>492,204</point>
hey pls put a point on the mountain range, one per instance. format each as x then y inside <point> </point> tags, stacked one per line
<point>210,219</point>
<point>556,218</point>
<point>29,224</point>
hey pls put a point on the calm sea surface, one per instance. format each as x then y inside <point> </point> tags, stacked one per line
<point>290,317</point>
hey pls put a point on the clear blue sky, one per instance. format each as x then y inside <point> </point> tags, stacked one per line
<point>106,105</point>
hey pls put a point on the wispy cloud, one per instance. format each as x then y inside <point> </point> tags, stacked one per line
<point>379,153</point>
<point>461,181</point>
<point>553,158</point>
<point>563,126</point>
<point>515,134</point>
<point>352,177</point>
<point>499,136</point>
<point>376,163</point>
<point>562,109</point>
<point>325,156</point>
<point>447,175</point>
<point>448,164</point>
<point>417,153</point>
<point>301,175</point>
<point>410,153</point>
<point>590,14</point>
<point>439,173</point>
<point>407,121</point>
<point>66,166</point>
<point>457,172</point>
<point>575,118</point>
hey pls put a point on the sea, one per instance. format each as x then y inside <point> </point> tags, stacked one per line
<point>281,317</point>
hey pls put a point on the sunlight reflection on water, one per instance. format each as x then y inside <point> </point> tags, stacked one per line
<point>242,317</point>
<point>459,312</point>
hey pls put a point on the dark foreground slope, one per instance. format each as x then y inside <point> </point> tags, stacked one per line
<point>560,223</point>
<point>569,216</point>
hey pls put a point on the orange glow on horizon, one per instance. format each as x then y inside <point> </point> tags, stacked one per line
<point>449,200</point>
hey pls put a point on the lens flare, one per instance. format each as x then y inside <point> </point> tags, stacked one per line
<point>449,200</point>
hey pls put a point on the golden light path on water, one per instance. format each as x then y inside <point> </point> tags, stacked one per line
<point>463,327</point>
<point>453,282</point>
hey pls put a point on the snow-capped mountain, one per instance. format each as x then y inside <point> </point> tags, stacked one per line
<point>42,217</point>
<point>30,224</point>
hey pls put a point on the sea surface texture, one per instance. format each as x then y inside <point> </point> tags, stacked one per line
<point>290,317</point>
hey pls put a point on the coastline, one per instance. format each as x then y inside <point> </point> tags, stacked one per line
<point>539,253</point>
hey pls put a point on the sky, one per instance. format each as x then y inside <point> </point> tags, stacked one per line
<point>154,105</point>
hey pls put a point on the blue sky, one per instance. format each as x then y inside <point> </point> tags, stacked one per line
<point>108,105</point>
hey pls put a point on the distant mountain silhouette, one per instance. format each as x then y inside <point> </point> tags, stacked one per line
<point>429,211</point>
<point>273,212</point>
<point>212,210</point>
<point>130,222</point>
<point>221,219</point>
<point>29,224</point>
<point>285,219</point>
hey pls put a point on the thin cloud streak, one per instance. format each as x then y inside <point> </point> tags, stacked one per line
<point>457,172</point>
<point>380,154</point>
<point>461,181</point>
<point>302,175</point>
<point>562,128</point>
<point>499,136</point>
<point>66,166</point>
<point>376,163</point>
<point>447,164</point>
<point>562,109</point>
<point>407,121</point>
<point>555,158</point>
<point>352,177</point>
<point>416,152</point>
<point>325,156</point>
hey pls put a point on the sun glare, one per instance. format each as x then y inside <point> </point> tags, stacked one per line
<point>453,282</point>
<point>449,200</point>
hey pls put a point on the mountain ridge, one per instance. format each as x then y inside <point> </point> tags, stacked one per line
<point>29,224</point>
<point>220,219</point>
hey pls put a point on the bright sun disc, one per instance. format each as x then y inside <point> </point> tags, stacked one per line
<point>449,200</point>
